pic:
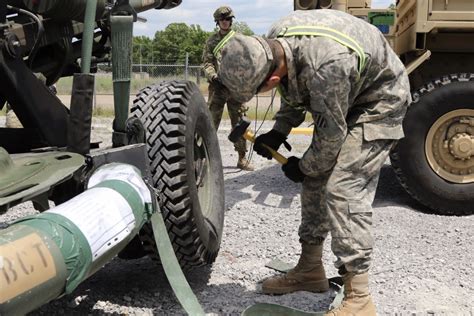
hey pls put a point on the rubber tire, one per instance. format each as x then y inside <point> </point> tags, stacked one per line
<point>408,158</point>
<point>172,112</point>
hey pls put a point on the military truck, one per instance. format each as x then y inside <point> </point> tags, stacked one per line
<point>435,41</point>
<point>166,133</point>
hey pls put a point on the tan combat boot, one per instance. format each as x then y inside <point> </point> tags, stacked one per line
<point>243,163</point>
<point>357,300</point>
<point>308,275</point>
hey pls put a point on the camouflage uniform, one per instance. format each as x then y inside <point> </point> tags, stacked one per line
<point>357,117</point>
<point>357,112</point>
<point>218,94</point>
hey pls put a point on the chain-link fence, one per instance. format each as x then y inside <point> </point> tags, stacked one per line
<point>144,75</point>
<point>148,74</point>
<point>169,72</point>
<point>161,71</point>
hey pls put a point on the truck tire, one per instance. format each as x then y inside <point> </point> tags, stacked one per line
<point>435,160</point>
<point>186,170</point>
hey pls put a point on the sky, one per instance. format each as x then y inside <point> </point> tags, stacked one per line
<point>258,14</point>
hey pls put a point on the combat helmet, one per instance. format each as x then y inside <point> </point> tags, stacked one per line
<point>222,13</point>
<point>246,62</point>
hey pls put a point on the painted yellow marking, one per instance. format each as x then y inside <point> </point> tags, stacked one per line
<point>24,264</point>
<point>302,131</point>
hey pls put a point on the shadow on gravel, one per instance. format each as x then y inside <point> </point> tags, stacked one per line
<point>391,193</point>
<point>271,181</point>
<point>139,283</point>
<point>233,299</point>
<point>267,183</point>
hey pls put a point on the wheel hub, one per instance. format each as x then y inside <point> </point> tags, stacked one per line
<point>449,146</point>
<point>202,173</point>
<point>461,146</point>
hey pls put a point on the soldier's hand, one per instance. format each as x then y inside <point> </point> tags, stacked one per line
<point>216,81</point>
<point>292,170</point>
<point>272,139</point>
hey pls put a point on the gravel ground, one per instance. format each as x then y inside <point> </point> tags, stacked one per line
<point>422,265</point>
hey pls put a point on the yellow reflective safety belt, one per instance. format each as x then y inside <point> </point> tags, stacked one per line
<point>339,37</point>
<point>223,41</point>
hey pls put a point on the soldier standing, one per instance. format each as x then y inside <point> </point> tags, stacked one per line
<point>342,70</point>
<point>218,94</point>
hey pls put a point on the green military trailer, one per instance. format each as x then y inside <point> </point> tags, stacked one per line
<point>434,39</point>
<point>166,135</point>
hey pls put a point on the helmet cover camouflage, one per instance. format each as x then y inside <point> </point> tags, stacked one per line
<point>245,63</point>
<point>222,13</point>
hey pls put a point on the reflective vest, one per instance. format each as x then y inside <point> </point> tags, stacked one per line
<point>341,38</point>
<point>322,31</point>
<point>223,41</point>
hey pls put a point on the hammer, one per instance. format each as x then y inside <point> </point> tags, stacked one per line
<point>240,130</point>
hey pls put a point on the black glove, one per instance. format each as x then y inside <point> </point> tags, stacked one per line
<point>292,170</point>
<point>272,139</point>
<point>216,81</point>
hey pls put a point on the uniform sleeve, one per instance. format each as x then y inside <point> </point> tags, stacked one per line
<point>289,116</point>
<point>208,61</point>
<point>329,91</point>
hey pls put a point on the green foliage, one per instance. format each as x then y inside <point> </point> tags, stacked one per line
<point>142,50</point>
<point>171,44</point>
<point>177,39</point>
<point>242,28</point>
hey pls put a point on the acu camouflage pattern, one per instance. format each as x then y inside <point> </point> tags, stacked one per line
<point>218,94</point>
<point>223,12</point>
<point>209,61</point>
<point>357,119</point>
<point>247,61</point>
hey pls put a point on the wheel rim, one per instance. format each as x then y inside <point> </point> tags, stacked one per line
<point>449,146</point>
<point>202,173</point>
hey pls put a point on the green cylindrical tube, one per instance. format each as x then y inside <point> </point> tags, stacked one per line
<point>88,36</point>
<point>45,256</point>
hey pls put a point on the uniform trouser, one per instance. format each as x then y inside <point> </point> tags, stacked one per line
<point>340,201</point>
<point>218,97</point>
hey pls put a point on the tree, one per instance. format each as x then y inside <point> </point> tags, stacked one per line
<point>240,27</point>
<point>173,43</point>
<point>142,50</point>
<point>176,40</point>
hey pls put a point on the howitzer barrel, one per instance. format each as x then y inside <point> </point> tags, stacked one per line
<point>48,255</point>
<point>63,9</point>
<point>75,9</point>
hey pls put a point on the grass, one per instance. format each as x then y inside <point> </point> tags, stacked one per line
<point>104,85</point>
<point>103,112</point>
<point>105,108</point>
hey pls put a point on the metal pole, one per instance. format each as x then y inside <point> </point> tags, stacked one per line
<point>88,36</point>
<point>186,66</point>
<point>141,70</point>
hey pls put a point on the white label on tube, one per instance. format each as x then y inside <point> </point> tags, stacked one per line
<point>103,216</point>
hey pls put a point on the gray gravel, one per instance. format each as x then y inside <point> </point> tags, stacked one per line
<point>422,265</point>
